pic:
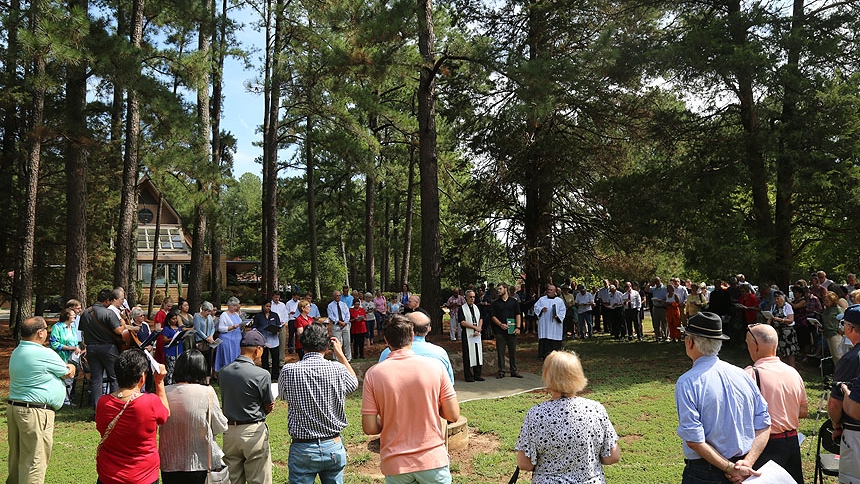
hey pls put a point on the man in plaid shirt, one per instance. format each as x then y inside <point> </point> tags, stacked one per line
<point>315,390</point>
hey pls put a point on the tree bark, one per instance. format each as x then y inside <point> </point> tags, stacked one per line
<point>219,39</point>
<point>76,176</point>
<point>385,263</point>
<point>763,224</point>
<point>369,241</point>
<point>206,172</point>
<point>270,161</point>
<point>128,203</point>
<point>407,224</point>
<point>789,150</point>
<point>431,269</point>
<point>153,272</point>
<point>312,205</point>
<point>10,154</point>
<point>31,180</point>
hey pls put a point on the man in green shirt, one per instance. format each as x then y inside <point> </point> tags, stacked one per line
<point>36,389</point>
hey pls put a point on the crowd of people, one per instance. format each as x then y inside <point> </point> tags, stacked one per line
<point>157,414</point>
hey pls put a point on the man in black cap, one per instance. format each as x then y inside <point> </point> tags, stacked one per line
<point>722,417</point>
<point>246,395</point>
<point>844,424</point>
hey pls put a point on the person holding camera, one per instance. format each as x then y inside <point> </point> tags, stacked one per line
<point>847,424</point>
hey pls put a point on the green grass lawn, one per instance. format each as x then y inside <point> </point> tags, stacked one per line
<point>635,381</point>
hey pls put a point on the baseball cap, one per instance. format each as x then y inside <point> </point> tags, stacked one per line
<point>253,338</point>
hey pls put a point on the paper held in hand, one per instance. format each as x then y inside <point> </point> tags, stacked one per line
<point>771,473</point>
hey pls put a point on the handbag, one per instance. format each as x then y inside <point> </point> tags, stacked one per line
<point>515,476</point>
<point>214,476</point>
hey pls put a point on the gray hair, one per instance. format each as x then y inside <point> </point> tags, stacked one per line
<point>233,300</point>
<point>136,312</point>
<point>708,346</point>
<point>207,306</point>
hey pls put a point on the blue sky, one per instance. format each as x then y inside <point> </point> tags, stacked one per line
<point>243,111</point>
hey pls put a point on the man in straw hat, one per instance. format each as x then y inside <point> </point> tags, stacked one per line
<point>722,417</point>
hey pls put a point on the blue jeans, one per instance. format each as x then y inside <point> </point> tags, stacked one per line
<point>585,322</point>
<point>326,458</point>
<point>440,475</point>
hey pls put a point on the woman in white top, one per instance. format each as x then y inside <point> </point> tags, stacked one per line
<point>567,438</point>
<point>186,442</point>
<point>230,332</point>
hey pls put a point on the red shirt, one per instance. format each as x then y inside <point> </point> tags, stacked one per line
<point>302,322</point>
<point>160,317</point>
<point>358,326</point>
<point>751,302</point>
<point>130,453</point>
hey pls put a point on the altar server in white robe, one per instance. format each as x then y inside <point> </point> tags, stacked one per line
<point>471,324</point>
<point>550,311</point>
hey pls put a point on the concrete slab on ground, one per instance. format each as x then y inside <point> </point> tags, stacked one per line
<point>497,387</point>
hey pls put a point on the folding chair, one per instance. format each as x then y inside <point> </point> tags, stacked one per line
<point>826,464</point>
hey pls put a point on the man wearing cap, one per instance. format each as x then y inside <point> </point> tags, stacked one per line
<point>246,396</point>
<point>722,417</point>
<point>315,390</point>
<point>36,390</point>
<point>783,390</point>
<point>844,424</point>
<point>338,316</point>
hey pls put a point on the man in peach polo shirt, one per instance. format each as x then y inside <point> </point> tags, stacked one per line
<point>783,390</point>
<point>402,400</point>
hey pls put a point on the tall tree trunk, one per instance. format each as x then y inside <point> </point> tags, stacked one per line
<point>10,153</point>
<point>538,182</point>
<point>128,203</point>
<point>789,150</point>
<point>385,264</point>
<point>219,37</point>
<point>206,171</point>
<point>154,274</point>
<point>31,180</point>
<point>407,225</point>
<point>270,161</point>
<point>76,175</point>
<point>763,224</point>
<point>369,244</point>
<point>431,269</point>
<point>312,205</point>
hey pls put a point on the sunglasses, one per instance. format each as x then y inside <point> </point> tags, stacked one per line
<point>749,330</point>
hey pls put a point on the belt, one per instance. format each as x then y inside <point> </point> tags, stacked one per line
<point>311,441</point>
<point>705,463</point>
<point>42,406</point>
<point>784,435</point>
<point>850,426</point>
<point>244,422</point>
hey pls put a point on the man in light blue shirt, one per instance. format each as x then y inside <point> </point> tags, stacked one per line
<point>722,417</point>
<point>36,389</point>
<point>420,328</point>
<point>338,317</point>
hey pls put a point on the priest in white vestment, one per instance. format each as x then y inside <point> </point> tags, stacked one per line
<point>471,324</point>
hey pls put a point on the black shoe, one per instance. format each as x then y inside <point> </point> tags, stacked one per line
<point>500,375</point>
<point>469,380</point>
<point>478,378</point>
